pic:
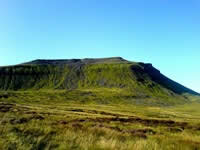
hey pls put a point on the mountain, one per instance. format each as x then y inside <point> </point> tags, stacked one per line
<point>139,80</point>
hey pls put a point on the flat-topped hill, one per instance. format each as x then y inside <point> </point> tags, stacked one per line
<point>139,80</point>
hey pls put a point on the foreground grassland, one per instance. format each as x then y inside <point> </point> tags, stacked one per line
<point>74,120</point>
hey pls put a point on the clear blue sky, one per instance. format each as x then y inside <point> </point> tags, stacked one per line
<point>165,33</point>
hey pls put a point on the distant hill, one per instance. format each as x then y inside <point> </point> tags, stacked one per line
<point>140,79</point>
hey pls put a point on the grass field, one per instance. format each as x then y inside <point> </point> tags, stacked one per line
<point>92,120</point>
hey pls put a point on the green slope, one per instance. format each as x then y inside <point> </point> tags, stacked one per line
<point>134,80</point>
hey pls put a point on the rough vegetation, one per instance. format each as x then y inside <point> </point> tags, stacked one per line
<point>30,125</point>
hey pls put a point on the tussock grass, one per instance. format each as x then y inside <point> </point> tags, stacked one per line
<point>38,120</point>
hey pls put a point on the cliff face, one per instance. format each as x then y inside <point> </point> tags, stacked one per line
<point>37,77</point>
<point>140,78</point>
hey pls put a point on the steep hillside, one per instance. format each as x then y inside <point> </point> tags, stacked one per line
<point>139,80</point>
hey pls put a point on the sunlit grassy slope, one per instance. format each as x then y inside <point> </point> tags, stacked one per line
<point>41,120</point>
